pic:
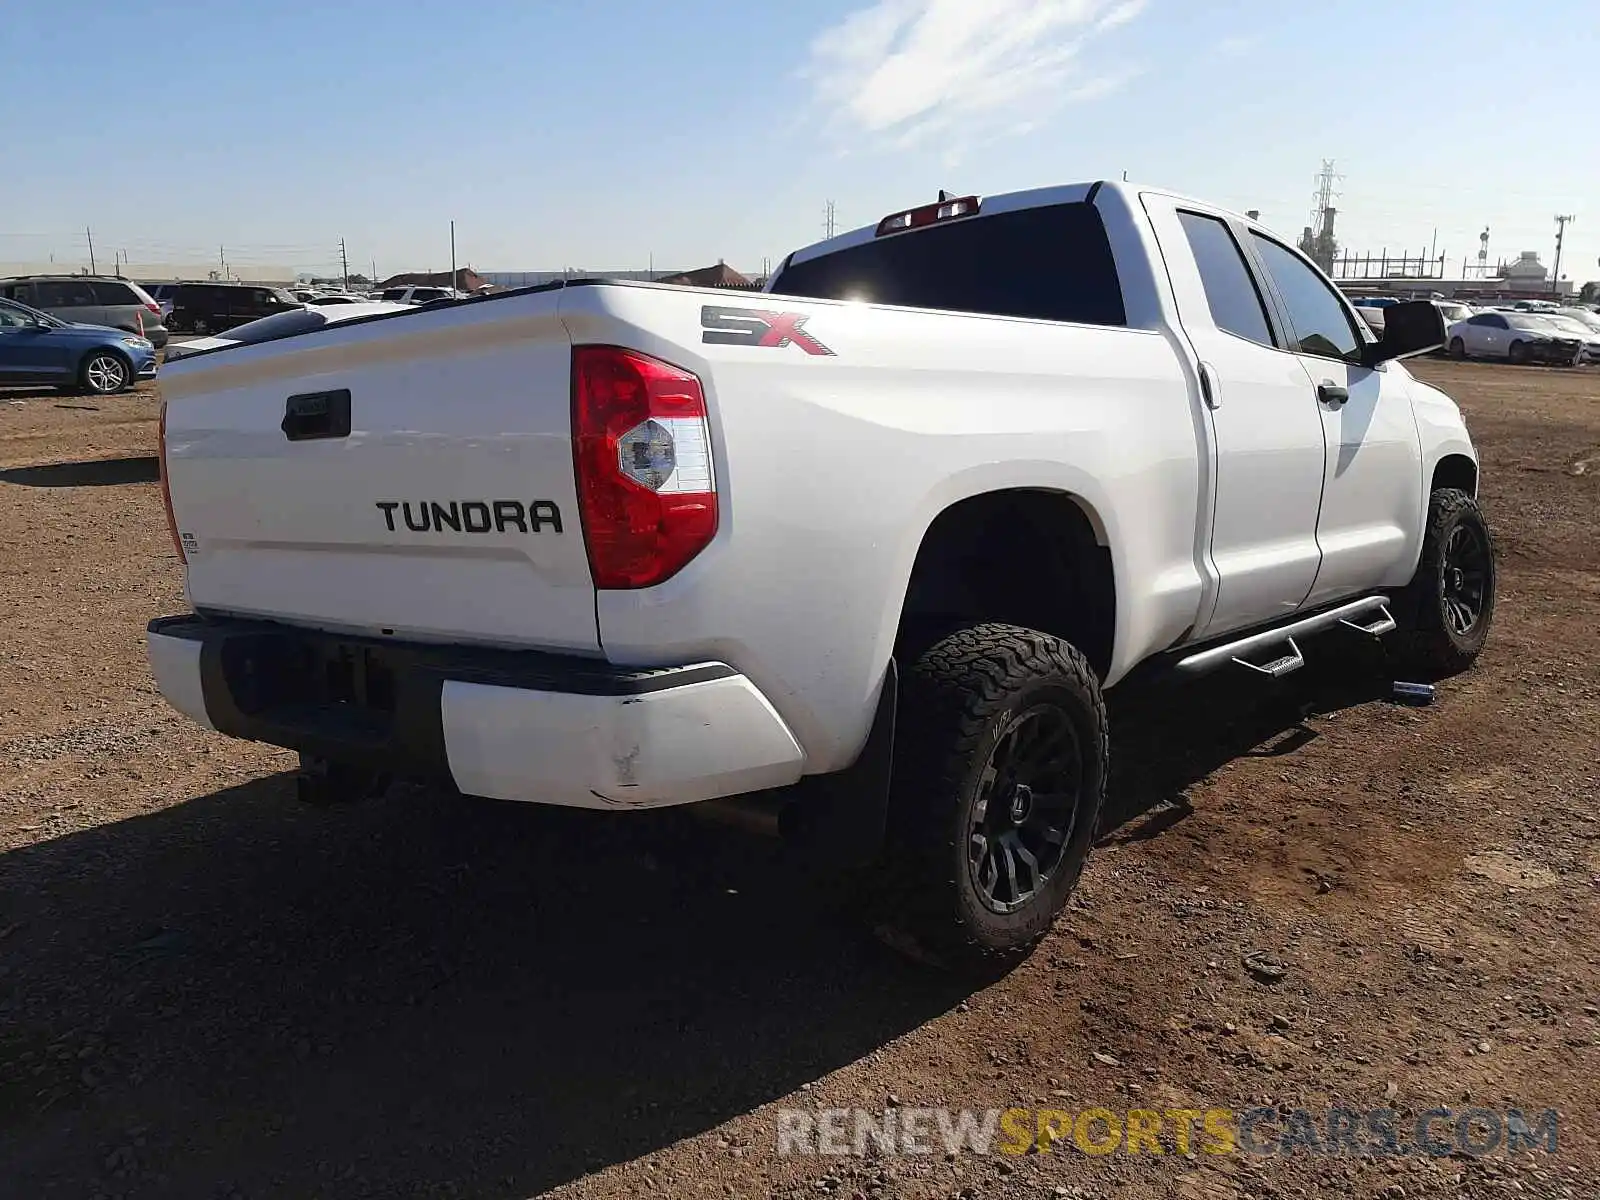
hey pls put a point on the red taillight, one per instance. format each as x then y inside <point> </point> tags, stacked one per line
<point>153,307</point>
<point>641,446</point>
<point>166,490</point>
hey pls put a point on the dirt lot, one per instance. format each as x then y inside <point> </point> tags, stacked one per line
<point>209,991</point>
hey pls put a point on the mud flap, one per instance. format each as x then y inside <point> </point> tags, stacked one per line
<point>839,820</point>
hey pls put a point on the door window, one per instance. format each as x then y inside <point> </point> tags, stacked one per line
<point>64,293</point>
<point>107,292</point>
<point>1230,291</point>
<point>1321,322</point>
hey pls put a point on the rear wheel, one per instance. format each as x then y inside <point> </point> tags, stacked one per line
<point>1458,348</point>
<point>201,326</point>
<point>1447,608</point>
<point>105,373</point>
<point>999,775</point>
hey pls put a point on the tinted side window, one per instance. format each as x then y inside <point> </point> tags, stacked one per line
<point>394,293</point>
<point>64,293</point>
<point>1053,263</point>
<point>114,293</point>
<point>1230,291</point>
<point>1321,326</point>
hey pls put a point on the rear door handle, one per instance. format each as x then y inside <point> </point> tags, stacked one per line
<point>1208,386</point>
<point>1331,394</point>
<point>311,416</point>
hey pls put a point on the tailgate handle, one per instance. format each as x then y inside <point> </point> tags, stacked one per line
<point>314,415</point>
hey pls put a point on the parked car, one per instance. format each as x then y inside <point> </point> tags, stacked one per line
<point>282,325</point>
<point>162,294</point>
<point>492,544</point>
<point>1514,336</point>
<point>1583,316</point>
<point>337,298</point>
<point>91,300</point>
<point>1588,336</point>
<point>36,347</point>
<point>1372,315</point>
<point>212,307</point>
<point>1452,311</point>
<point>420,295</point>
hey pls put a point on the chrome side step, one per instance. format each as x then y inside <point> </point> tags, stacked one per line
<point>1368,615</point>
<point>1384,623</point>
<point>1280,666</point>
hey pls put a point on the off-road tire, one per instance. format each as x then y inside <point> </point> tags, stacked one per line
<point>1427,644</point>
<point>958,699</point>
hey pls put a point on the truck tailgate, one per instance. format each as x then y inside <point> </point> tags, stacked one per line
<point>410,475</point>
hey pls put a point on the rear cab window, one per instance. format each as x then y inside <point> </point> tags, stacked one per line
<point>1051,263</point>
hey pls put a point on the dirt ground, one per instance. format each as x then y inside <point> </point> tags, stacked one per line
<point>207,990</point>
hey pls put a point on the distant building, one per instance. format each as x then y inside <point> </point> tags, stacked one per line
<point>719,276</point>
<point>1527,270</point>
<point>466,280</point>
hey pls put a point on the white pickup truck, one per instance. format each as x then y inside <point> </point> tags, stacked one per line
<point>866,549</point>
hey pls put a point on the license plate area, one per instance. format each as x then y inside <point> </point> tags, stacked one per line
<point>283,674</point>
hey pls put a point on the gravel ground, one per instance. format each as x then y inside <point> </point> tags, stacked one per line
<point>207,990</point>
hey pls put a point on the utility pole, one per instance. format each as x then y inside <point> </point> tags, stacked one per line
<point>1561,229</point>
<point>452,256</point>
<point>89,233</point>
<point>829,222</point>
<point>344,263</point>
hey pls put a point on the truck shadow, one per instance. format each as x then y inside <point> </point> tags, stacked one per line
<point>1166,735</point>
<point>430,995</point>
<point>93,472</point>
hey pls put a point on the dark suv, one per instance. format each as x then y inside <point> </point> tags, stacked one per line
<point>91,300</point>
<point>213,307</point>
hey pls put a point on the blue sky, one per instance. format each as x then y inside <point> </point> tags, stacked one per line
<point>610,133</point>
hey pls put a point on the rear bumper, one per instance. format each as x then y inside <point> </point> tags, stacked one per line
<point>514,725</point>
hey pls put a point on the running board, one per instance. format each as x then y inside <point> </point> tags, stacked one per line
<point>1369,615</point>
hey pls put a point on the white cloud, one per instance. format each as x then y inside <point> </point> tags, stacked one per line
<point>1121,14</point>
<point>906,72</point>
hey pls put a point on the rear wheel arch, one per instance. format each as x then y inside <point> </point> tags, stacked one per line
<point>1455,471</point>
<point>1031,557</point>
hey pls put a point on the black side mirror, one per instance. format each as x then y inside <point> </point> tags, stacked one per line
<point>1414,327</point>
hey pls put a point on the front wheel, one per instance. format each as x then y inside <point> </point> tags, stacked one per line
<point>105,373</point>
<point>1448,606</point>
<point>999,775</point>
<point>1518,353</point>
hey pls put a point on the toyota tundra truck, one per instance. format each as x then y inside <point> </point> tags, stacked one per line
<point>864,550</point>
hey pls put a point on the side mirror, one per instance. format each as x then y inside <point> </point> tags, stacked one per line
<point>1414,327</point>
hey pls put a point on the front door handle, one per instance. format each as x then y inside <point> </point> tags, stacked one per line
<point>1331,394</point>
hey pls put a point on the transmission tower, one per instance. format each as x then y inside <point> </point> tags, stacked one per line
<point>1561,230</point>
<point>1318,240</point>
